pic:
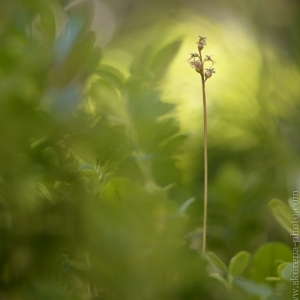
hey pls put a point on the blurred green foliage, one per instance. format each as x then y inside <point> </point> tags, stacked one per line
<point>101,188</point>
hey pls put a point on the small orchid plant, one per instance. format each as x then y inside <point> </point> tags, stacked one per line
<point>197,62</point>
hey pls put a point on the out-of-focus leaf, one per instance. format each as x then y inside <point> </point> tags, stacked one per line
<point>219,278</point>
<point>67,39</point>
<point>94,60</point>
<point>239,263</point>
<point>112,75</point>
<point>50,154</point>
<point>75,61</point>
<point>252,288</point>
<point>86,167</point>
<point>69,264</point>
<point>123,190</point>
<point>282,214</point>
<point>44,193</point>
<point>47,22</point>
<point>84,12</point>
<point>117,158</point>
<point>216,261</point>
<point>184,206</point>
<point>82,147</point>
<point>286,271</point>
<point>86,170</point>
<point>294,205</point>
<point>272,279</point>
<point>106,99</point>
<point>266,258</point>
<point>165,129</point>
<point>172,145</point>
<point>134,88</point>
<point>163,58</point>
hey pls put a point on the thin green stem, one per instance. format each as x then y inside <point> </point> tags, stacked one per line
<point>205,168</point>
<point>205,157</point>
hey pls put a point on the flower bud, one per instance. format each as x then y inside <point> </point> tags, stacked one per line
<point>208,73</point>
<point>198,69</point>
<point>200,46</point>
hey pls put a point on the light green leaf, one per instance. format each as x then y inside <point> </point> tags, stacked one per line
<point>281,213</point>
<point>252,288</point>
<point>239,263</point>
<point>294,205</point>
<point>265,260</point>
<point>183,207</point>
<point>219,278</point>
<point>216,261</point>
<point>111,75</point>
<point>123,190</point>
<point>119,156</point>
<point>286,271</point>
<point>272,279</point>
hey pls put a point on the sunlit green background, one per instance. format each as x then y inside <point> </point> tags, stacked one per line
<point>101,128</point>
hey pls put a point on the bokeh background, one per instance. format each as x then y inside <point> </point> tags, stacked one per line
<point>253,101</point>
<point>99,109</point>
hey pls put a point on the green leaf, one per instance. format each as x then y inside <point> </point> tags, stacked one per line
<point>123,190</point>
<point>294,205</point>
<point>112,75</point>
<point>117,158</point>
<point>82,147</point>
<point>216,261</point>
<point>183,207</point>
<point>47,22</point>
<point>272,279</point>
<point>163,58</point>
<point>282,214</point>
<point>219,278</point>
<point>107,99</point>
<point>239,263</point>
<point>71,264</point>
<point>50,154</point>
<point>44,193</point>
<point>286,271</point>
<point>76,60</point>
<point>252,288</point>
<point>265,260</point>
<point>86,167</point>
